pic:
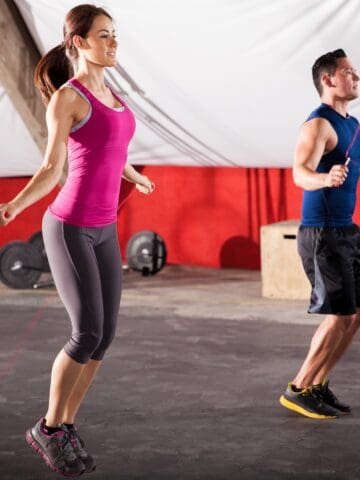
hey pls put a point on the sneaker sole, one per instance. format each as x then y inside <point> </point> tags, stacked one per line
<point>37,447</point>
<point>296,408</point>
<point>88,470</point>
<point>341,413</point>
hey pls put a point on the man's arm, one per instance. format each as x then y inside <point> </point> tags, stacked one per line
<point>315,139</point>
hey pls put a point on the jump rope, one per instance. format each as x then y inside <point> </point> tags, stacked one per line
<point>356,134</point>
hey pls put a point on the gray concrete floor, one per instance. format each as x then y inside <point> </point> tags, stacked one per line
<point>189,389</point>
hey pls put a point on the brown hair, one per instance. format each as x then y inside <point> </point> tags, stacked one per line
<point>327,63</point>
<point>55,68</point>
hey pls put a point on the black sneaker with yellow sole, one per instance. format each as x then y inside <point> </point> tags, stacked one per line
<point>307,402</point>
<point>327,396</point>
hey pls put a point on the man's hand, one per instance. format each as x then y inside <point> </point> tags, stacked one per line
<point>337,176</point>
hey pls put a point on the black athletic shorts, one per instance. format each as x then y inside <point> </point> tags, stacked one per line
<point>331,260</point>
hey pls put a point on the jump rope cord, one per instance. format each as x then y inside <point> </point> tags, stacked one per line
<point>351,144</point>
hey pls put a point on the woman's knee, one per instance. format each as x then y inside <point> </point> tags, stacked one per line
<point>82,345</point>
<point>103,345</point>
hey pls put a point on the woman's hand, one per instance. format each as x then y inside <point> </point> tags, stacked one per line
<point>145,185</point>
<point>142,182</point>
<point>8,212</point>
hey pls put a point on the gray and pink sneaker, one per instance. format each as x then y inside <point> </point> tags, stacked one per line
<point>56,450</point>
<point>78,445</point>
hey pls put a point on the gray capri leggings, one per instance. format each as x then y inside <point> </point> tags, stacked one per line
<point>86,266</point>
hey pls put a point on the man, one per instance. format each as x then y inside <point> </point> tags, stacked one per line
<point>326,166</point>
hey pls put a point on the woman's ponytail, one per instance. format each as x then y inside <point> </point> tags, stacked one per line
<point>52,71</point>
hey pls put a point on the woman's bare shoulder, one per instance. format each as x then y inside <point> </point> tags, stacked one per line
<point>64,100</point>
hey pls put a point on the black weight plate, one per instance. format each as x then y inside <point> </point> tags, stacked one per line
<point>37,240</point>
<point>146,252</point>
<point>20,265</point>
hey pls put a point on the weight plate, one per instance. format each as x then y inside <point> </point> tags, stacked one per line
<point>37,240</point>
<point>146,252</point>
<point>20,265</point>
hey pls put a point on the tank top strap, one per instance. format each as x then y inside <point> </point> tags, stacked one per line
<point>117,96</point>
<point>78,86</point>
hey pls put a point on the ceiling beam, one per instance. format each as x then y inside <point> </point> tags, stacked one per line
<point>18,58</point>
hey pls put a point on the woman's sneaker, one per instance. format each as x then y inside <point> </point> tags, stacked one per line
<point>307,402</point>
<point>56,450</point>
<point>78,445</point>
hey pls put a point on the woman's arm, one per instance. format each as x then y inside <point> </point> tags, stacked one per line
<point>64,174</point>
<point>143,183</point>
<point>59,119</point>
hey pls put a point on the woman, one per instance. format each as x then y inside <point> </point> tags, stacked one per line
<point>93,126</point>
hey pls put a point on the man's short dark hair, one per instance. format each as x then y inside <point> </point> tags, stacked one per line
<point>325,64</point>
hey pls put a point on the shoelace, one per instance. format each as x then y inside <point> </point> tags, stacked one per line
<point>67,449</point>
<point>307,391</point>
<point>77,444</point>
<point>310,391</point>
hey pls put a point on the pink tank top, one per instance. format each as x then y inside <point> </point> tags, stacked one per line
<point>97,153</point>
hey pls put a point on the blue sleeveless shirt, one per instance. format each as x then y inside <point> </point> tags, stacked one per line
<point>334,207</point>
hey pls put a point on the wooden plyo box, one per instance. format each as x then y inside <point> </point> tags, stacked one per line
<point>282,272</point>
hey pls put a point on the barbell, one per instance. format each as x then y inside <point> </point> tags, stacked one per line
<point>146,252</point>
<point>22,263</point>
<point>37,240</point>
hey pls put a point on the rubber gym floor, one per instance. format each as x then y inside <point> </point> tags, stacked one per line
<point>189,389</point>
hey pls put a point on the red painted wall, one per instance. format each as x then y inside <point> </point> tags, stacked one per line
<point>212,216</point>
<point>207,216</point>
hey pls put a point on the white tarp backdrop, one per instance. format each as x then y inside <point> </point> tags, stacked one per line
<point>19,154</point>
<point>212,82</point>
